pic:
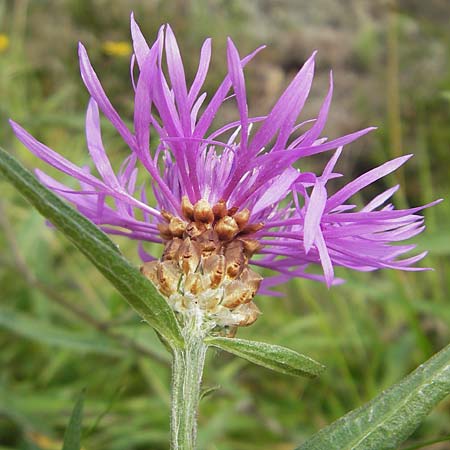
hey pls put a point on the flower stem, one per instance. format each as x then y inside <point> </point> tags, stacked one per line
<point>187,371</point>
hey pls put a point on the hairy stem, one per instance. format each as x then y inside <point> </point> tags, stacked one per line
<point>187,371</point>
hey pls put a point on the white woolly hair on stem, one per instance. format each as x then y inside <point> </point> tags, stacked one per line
<point>187,371</point>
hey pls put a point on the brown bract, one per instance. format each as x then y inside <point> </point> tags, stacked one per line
<point>205,263</point>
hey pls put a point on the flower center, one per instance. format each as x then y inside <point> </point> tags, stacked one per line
<point>204,265</point>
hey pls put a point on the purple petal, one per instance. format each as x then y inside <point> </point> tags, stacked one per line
<point>237,79</point>
<point>165,105</point>
<point>51,157</point>
<point>196,108</point>
<point>218,98</point>
<point>132,64</point>
<point>277,191</point>
<point>235,124</point>
<point>313,216</point>
<point>145,257</point>
<point>380,199</point>
<point>177,78</point>
<point>275,162</point>
<point>302,152</point>
<point>142,108</point>
<point>95,145</point>
<point>312,134</point>
<point>327,173</point>
<point>94,87</point>
<point>203,66</point>
<point>325,259</point>
<point>295,103</point>
<point>364,180</point>
<point>284,106</point>
<point>373,216</point>
<point>85,201</point>
<point>140,45</point>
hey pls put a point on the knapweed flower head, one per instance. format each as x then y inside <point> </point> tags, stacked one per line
<point>231,198</point>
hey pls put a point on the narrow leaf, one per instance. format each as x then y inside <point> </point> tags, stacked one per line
<point>103,253</point>
<point>50,334</point>
<point>72,436</point>
<point>275,357</point>
<point>392,416</point>
<point>208,391</point>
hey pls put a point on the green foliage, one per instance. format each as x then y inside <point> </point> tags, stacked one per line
<point>392,416</point>
<point>50,334</point>
<point>274,357</point>
<point>72,437</point>
<point>102,252</point>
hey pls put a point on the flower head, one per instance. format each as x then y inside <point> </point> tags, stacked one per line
<point>224,195</point>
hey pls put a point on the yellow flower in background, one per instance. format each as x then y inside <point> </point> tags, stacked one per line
<point>4,42</point>
<point>44,442</point>
<point>117,48</point>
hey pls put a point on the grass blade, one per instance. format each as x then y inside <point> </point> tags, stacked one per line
<point>72,436</point>
<point>53,335</point>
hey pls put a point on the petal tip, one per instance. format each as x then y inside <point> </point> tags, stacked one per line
<point>329,281</point>
<point>82,52</point>
<point>17,129</point>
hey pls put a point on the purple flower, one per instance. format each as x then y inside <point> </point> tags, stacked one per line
<point>240,177</point>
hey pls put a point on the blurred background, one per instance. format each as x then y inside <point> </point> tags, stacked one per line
<point>63,328</point>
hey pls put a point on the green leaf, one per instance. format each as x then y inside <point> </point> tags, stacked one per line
<point>209,391</point>
<point>49,334</point>
<point>72,436</point>
<point>392,416</point>
<point>275,357</point>
<point>103,253</point>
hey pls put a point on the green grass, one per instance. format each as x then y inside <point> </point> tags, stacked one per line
<point>63,328</point>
